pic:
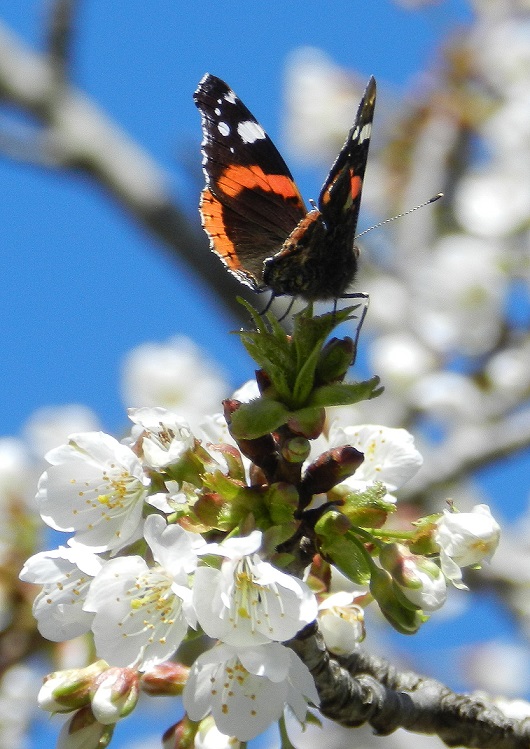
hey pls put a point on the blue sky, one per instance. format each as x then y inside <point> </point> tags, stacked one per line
<point>81,283</point>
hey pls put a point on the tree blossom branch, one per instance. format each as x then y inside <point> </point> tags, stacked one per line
<point>365,689</point>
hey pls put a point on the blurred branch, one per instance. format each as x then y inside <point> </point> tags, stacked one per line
<point>75,135</point>
<point>466,450</point>
<point>60,33</point>
<point>365,689</point>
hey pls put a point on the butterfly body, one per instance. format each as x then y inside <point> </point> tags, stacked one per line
<point>254,214</point>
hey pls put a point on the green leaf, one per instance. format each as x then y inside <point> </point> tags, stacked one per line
<point>258,417</point>
<point>309,336</point>
<point>256,318</point>
<point>305,379</point>
<point>344,393</point>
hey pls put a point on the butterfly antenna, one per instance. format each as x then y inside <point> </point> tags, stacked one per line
<point>400,215</point>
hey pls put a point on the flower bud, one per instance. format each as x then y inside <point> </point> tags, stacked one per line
<point>341,623</point>
<point>402,618</point>
<point>419,579</point>
<point>331,468</point>
<point>83,730</point>
<point>465,538</point>
<point>180,735</point>
<point>296,450</point>
<point>166,678</point>
<point>307,422</point>
<point>64,691</point>
<point>115,694</point>
<point>209,737</point>
<point>334,360</point>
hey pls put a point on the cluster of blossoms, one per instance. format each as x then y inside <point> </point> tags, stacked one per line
<point>231,536</point>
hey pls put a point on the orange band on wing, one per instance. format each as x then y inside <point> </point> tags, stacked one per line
<point>237,178</point>
<point>212,220</point>
<point>356,185</point>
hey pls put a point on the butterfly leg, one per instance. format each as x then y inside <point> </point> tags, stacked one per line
<point>364,304</point>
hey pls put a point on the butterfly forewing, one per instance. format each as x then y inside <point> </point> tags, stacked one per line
<point>250,203</point>
<point>340,197</point>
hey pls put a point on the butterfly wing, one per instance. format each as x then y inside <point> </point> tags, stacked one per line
<point>250,204</point>
<point>340,197</point>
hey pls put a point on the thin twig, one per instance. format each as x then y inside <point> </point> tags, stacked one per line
<point>59,38</point>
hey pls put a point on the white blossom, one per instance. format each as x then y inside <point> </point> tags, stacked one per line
<point>65,574</point>
<point>466,538</point>
<point>247,689</point>
<point>50,426</point>
<point>175,375</point>
<point>389,455</point>
<point>320,99</point>
<point>458,296</point>
<point>248,600</point>
<point>400,359</point>
<point>164,436</point>
<point>341,622</point>
<point>96,487</point>
<point>450,395</point>
<point>142,613</point>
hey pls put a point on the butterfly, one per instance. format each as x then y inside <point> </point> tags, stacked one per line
<point>254,214</point>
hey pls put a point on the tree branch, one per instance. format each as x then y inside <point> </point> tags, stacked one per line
<point>365,689</point>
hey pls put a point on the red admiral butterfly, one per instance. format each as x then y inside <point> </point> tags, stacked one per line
<point>254,214</point>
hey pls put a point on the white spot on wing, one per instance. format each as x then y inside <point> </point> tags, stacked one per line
<point>217,111</point>
<point>223,128</point>
<point>365,132</point>
<point>250,131</point>
<point>230,97</point>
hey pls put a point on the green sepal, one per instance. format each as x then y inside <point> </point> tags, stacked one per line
<point>190,467</point>
<point>401,617</point>
<point>368,509</point>
<point>281,500</point>
<point>423,540</point>
<point>229,503</point>
<point>342,548</point>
